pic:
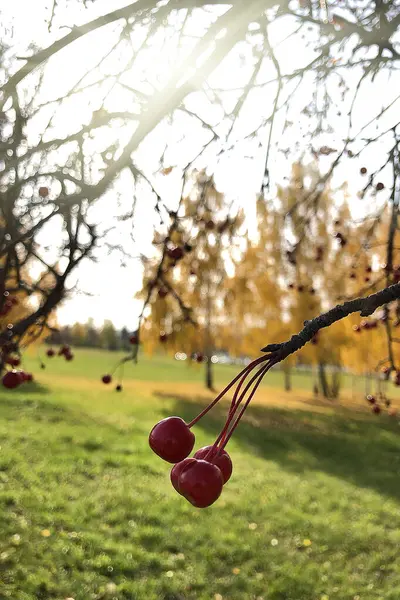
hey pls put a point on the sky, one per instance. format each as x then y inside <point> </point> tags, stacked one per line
<point>106,290</point>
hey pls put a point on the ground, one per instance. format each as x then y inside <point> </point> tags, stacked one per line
<point>87,511</point>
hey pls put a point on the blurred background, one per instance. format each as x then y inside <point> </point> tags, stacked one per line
<point>182,183</point>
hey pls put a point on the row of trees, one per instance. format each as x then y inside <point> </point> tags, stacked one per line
<point>87,335</point>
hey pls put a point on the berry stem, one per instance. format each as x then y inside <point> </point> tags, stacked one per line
<point>228,387</point>
<point>232,412</point>
<point>261,375</point>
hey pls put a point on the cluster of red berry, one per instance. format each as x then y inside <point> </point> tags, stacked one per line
<point>301,288</point>
<point>64,351</point>
<point>393,272</point>
<point>379,186</point>
<point>388,372</point>
<point>380,403</point>
<point>12,379</point>
<point>366,324</point>
<point>201,479</point>
<point>107,378</point>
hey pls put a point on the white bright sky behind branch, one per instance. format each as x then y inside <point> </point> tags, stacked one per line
<point>112,287</point>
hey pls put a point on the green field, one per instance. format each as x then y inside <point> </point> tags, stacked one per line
<point>87,511</point>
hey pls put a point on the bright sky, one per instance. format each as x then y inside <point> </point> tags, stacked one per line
<point>111,286</point>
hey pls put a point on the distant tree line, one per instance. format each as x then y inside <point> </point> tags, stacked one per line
<point>87,335</point>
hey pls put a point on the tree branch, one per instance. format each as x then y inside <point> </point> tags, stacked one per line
<point>365,306</point>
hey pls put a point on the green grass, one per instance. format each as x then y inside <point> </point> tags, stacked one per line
<point>93,363</point>
<point>87,511</point>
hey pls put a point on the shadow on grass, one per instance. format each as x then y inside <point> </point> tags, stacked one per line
<point>361,449</point>
<point>27,390</point>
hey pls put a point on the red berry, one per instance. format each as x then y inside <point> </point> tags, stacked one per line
<point>64,350</point>
<point>11,379</point>
<point>69,356</point>
<point>133,339</point>
<point>369,269</point>
<point>376,409</point>
<point>163,292</point>
<point>25,376</point>
<point>221,459</point>
<point>106,379</point>
<point>175,253</point>
<point>163,337</point>
<point>43,192</point>
<point>201,483</point>
<point>5,309</point>
<point>21,375</point>
<point>50,352</point>
<point>199,357</point>
<point>172,439</point>
<point>371,399</point>
<point>177,470</point>
<point>379,186</point>
<point>363,170</point>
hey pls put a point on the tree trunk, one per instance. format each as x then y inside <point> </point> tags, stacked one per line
<point>209,374</point>
<point>323,382</point>
<point>208,345</point>
<point>336,381</point>
<point>287,379</point>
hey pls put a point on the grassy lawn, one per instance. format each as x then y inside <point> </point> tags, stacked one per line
<point>87,511</point>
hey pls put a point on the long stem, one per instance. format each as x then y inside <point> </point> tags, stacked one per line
<point>261,375</point>
<point>232,413</point>
<point>228,387</point>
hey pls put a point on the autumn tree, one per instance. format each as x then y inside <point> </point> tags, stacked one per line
<point>200,252</point>
<point>108,336</point>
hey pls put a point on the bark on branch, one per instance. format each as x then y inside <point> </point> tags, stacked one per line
<point>365,306</point>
